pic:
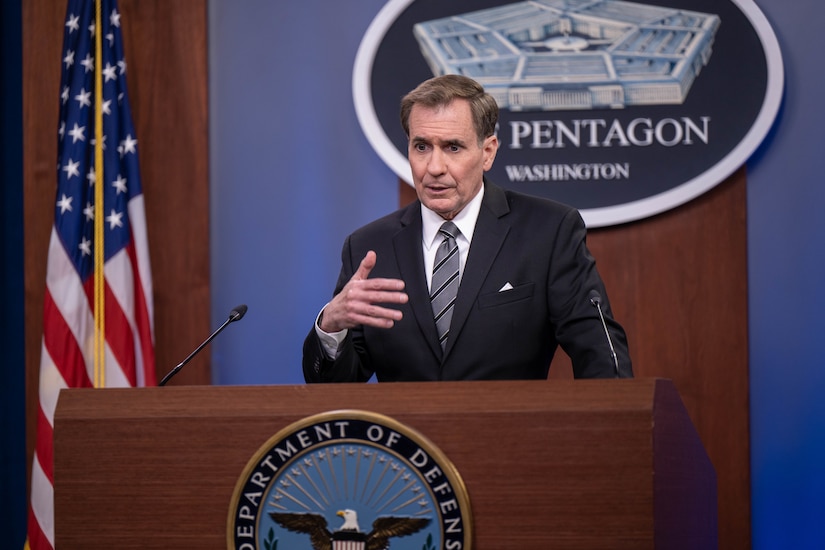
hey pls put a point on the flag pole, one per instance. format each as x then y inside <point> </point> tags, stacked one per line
<point>100,281</point>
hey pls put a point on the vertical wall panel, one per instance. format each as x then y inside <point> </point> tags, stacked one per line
<point>678,282</point>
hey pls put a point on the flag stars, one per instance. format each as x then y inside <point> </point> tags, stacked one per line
<point>64,95</point>
<point>65,204</point>
<point>85,246</point>
<point>115,219</point>
<point>71,169</point>
<point>77,133</point>
<point>127,145</point>
<point>84,98</point>
<point>119,184</point>
<point>114,19</point>
<point>88,63</point>
<point>106,107</point>
<point>69,59</point>
<point>73,23</point>
<point>90,177</point>
<point>122,65</point>
<point>110,72</point>
<point>89,212</point>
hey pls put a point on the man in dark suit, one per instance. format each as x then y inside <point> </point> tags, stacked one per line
<point>526,282</point>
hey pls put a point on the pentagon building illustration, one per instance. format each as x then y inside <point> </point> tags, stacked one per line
<point>573,54</point>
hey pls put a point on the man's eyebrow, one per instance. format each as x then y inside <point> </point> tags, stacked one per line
<point>454,141</point>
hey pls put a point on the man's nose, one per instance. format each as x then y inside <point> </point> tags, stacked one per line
<point>436,165</point>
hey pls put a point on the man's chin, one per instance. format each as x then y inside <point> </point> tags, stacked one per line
<point>444,208</point>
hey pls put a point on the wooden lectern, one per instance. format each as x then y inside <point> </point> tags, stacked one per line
<point>561,464</point>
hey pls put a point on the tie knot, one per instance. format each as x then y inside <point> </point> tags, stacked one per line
<point>448,229</point>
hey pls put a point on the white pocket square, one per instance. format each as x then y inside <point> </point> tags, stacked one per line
<point>507,286</point>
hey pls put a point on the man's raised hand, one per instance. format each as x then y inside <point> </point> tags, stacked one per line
<point>357,303</point>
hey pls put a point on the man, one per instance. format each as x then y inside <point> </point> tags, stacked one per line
<point>525,280</point>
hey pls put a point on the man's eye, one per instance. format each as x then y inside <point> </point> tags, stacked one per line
<point>420,147</point>
<point>453,148</point>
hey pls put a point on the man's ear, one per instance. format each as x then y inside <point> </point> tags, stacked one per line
<point>490,148</point>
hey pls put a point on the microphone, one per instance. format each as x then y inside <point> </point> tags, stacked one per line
<point>596,301</point>
<point>235,315</point>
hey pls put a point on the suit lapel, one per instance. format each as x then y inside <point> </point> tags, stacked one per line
<point>488,237</point>
<point>410,258</point>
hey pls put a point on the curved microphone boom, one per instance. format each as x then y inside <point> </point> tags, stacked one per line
<point>235,315</point>
<point>596,301</point>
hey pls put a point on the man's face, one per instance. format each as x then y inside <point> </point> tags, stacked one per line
<point>447,162</point>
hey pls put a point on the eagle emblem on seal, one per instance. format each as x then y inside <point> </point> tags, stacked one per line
<point>349,535</point>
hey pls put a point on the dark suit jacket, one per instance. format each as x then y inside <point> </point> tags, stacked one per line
<point>536,245</point>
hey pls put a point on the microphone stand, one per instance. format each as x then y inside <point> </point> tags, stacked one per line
<point>235,315</point>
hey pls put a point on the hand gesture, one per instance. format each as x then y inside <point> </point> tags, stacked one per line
<point>357,303</point>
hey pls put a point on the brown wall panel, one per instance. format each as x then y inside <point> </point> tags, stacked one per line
<point>167,45</point>
<point>678,283</point>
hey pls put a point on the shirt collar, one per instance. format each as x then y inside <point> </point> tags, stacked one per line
<point>464,220</point>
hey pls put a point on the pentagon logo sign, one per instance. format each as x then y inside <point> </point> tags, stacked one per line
<point>623,109</point>
<point>349,480</point>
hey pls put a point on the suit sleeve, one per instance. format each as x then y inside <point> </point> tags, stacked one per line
<point>578,327</point>
<point>347,367</point>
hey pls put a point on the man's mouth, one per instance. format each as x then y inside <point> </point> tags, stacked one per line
<point>437,187</point>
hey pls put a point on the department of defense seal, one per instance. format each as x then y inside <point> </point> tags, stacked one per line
<point>349,480</point>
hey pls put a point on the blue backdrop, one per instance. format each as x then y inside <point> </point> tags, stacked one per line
<point>292,174</point>
<point>786,231</point>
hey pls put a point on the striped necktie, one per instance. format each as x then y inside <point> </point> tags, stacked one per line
<point>444,286</point>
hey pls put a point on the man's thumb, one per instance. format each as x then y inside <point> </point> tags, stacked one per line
<point>366,265</point>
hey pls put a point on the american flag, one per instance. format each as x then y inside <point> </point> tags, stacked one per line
<point>72,314</point>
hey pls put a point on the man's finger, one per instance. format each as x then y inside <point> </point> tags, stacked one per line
<point>367,298</point>
<point>366,266</point>
<point>381,284</point>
